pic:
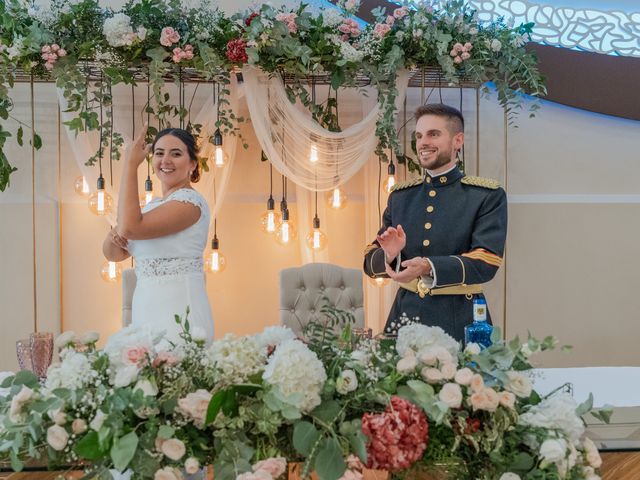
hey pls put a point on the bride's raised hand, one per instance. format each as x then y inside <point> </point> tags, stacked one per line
<point>138,149</point>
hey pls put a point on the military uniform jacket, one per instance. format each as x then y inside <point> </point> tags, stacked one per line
<point>460,224</point>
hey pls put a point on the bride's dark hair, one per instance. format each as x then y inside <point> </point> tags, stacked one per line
<point>192,148</point>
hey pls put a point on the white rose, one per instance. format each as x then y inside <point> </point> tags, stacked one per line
<point>24,395</point>
<point>590,474</point>
<point>431,375</point>
<point>125,376</point>
<point>407,364</point>
<point>65,339</point>
<point>192,466</point>
<point>89,337</point>
<point>98,420</point>
<point>592,454</point>
<point>496,45</point>
<point>346,382</point>
<point>57,437</point>
<point>167,473</point>
<point>448,371</point>
<point>173,449</point>
<point>148,388</point>
<point>518,384</point>
<point>451,394</point>
<point>463,376</point>
<point>428,357</point>
<point>472,349</point>
<point>79,426</point>
<point>553,450</point>
<point>60,418</point>
<point>510,476</point>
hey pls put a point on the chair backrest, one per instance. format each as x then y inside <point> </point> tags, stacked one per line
<point>129,281</point>
<point>302,290</point>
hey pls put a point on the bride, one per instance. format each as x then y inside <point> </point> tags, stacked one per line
<point>166,237</point>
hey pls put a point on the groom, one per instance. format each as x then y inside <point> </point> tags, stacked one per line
<point>443,236</point>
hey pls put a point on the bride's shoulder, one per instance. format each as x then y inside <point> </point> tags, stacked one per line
<point>189,195</point>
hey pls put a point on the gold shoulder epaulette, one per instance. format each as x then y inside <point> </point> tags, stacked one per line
<point>409,183</point>
<point>481,182</point>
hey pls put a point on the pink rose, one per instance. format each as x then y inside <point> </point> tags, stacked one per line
<point>467,47</point>
<point>165,358</point>
<point>191,466</point>
<point>457,60</point>
<point>465,55</point>
<point>135,355</point>
<point>507,399</point>
<point>79,426</point>
<point>390,20</point>
<point>275,466</point>
<point>259,475</point>
<point>195,406</point>
<point>477,383</point>
<point>400,12</point>
<point>173,449</point>
<point>169,36</point>
<point>381,29</point>
<point>352,4</point>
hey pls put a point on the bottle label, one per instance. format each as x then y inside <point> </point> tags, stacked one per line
<point>479,312</point>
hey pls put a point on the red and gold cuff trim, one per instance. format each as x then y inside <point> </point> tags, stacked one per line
<point>484,256</point>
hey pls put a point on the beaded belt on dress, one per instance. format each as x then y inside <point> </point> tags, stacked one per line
<point>157,267</point>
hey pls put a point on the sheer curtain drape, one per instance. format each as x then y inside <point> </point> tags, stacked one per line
<point>212,185</point>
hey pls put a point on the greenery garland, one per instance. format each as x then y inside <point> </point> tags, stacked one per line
<point>166,39</point>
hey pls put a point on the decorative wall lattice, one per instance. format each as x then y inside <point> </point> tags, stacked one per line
<point>610,32</point>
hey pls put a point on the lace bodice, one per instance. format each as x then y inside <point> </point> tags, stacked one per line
<point>178,253</point>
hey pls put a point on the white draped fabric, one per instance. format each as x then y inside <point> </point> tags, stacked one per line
<point>85,144</point>
<point>298,147</point>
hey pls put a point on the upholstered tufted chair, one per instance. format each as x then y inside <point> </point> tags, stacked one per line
<point>129,281</point>
<point>302,290</point>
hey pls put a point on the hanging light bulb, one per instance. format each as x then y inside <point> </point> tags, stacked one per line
<point>336,199</point>
<point>270,220</point>
<point>379,281</point>
<point>391,178</point>
<point>81,186</point>
<point>220,156</point>
<point>147,196</point>
<point>111,272</point>
<point>215,262</point>
<point>287,232</point>
<point>100,202</point>
<point>317,240</point>
<point>313,153</point>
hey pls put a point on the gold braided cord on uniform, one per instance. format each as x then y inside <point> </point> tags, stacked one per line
<point>484,256</point>
<point>371,246</point>
<point>481,182</point>
<point>406,184</point>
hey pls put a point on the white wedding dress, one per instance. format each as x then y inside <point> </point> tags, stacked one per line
<point>170,274</point>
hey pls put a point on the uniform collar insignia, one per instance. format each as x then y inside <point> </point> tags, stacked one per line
<point>444,179</point>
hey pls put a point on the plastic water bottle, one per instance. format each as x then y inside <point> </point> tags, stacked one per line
<point>479,331</point>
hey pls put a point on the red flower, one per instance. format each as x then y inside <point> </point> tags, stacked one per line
<point>237,50</point>
<point>249,19</point>
<point>397,437</point>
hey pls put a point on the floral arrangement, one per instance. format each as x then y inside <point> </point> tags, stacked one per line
<point>167,40</point>
<point>335,403</point>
